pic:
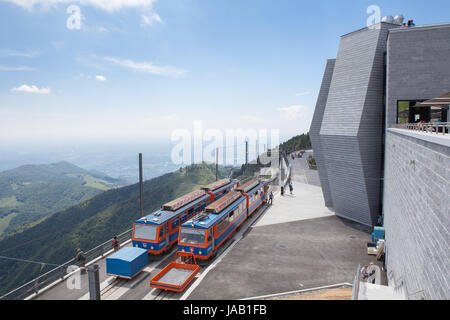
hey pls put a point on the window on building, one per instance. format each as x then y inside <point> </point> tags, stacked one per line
<point>407,112</point>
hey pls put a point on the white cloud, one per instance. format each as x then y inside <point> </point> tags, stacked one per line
<point>101,29</point>
<point>100,78</point>
<point>149,20</point>
<point>107,5</point>
<point>294,112</point>
<point>148,67</point>
<point>31,89</point>
<point>21,68</point>
<point>300,94</point>
<point>14,53</point>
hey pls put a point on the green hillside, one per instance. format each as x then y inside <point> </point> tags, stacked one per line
<point>32,192</point>
<point>91,223</point>
<point>301,142</point>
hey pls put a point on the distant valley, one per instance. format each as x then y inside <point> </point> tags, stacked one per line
<point>31,193</point>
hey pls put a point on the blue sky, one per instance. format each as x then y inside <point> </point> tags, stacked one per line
<point>142,68</point>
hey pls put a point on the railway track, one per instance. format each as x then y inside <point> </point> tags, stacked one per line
<point>118,287</point>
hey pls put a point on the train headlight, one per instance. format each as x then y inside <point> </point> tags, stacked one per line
<point>151,247</point>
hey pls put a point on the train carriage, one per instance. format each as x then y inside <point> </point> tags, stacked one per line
<point>157,231</point>
<point>205,233</point>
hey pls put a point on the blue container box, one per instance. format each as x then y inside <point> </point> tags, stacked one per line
<point>127,262</point>
<point>378,232</point>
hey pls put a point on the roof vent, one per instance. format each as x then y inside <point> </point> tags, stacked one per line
<point>399,19</point>
<point>388,19</point>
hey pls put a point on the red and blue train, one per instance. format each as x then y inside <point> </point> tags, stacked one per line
<point>205,233</point>
<point>158,231</point>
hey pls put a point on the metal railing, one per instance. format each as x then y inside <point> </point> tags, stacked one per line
<point>434,128</point>
<point>58,274</point>
<point>356,281</point>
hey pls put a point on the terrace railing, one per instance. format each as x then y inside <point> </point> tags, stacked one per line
<point>58,274</point>
<point>434,128</point>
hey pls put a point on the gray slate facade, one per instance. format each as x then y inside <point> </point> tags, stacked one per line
<point>350,139</point>
<point>418,66</point>
<point>315,131</point>
<point>356,148</point>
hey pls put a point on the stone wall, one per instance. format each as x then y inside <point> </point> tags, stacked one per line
<point>416,212</point>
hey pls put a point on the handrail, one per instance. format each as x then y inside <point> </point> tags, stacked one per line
<point>57,274</point>
<point>356,280</point>
<point>431,127</point>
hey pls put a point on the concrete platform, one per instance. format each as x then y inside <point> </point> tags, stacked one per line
<point>298,244</point>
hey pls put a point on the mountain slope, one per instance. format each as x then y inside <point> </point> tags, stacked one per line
<point>91,223</point>
<point>301,142</point>
<point>32,192</point>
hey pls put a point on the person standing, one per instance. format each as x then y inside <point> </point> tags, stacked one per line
<point>291,187</point>
<point>80,258</point>
<point>271,198</point>
<point>115,244</point>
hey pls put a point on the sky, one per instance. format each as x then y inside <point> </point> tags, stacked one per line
<point>123,70</point>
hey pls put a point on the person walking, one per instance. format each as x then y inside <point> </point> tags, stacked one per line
<point>271,198</point>
<point>115,244</point>
<point>291,187</point>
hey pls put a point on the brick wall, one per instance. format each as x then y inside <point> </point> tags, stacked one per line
<point>416,214</point>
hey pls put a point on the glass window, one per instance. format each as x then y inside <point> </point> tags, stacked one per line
<point>210,235</point>
<point>403,112</point>
<point>222,225</point>
<point>175,224</point>
<point>161,232</point>
<point>145,232</point>
<point>183,217</point>
<point>192,236</point>
<point>231,216</point>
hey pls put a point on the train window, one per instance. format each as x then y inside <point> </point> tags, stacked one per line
<point>175,223</point>
<point>145,232</point>
<point>231,216</point>
<point>183,217</point>
<point>161,232</point>
<point>192,236</point>
<point>222,225</point>
<point>191,210</point>
<point>210,235</point>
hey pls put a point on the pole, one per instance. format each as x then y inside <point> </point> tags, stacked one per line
<point>141,187</point>
<point>217,163</point>
<point>246,152</point>
<point>94,282</point>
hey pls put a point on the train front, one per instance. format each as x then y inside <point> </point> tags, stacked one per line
<point>197,238</point>
<point>149,234</point>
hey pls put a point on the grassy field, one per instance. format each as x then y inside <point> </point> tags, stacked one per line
<point>4,222</point>
<point>9,202</point>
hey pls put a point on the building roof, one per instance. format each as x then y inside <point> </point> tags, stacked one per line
<point>443,100</point>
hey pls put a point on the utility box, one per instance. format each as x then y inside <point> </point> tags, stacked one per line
<point>127,262</point>
<point>378,232</point>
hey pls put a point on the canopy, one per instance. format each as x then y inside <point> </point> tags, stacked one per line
<point>442,101</point>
